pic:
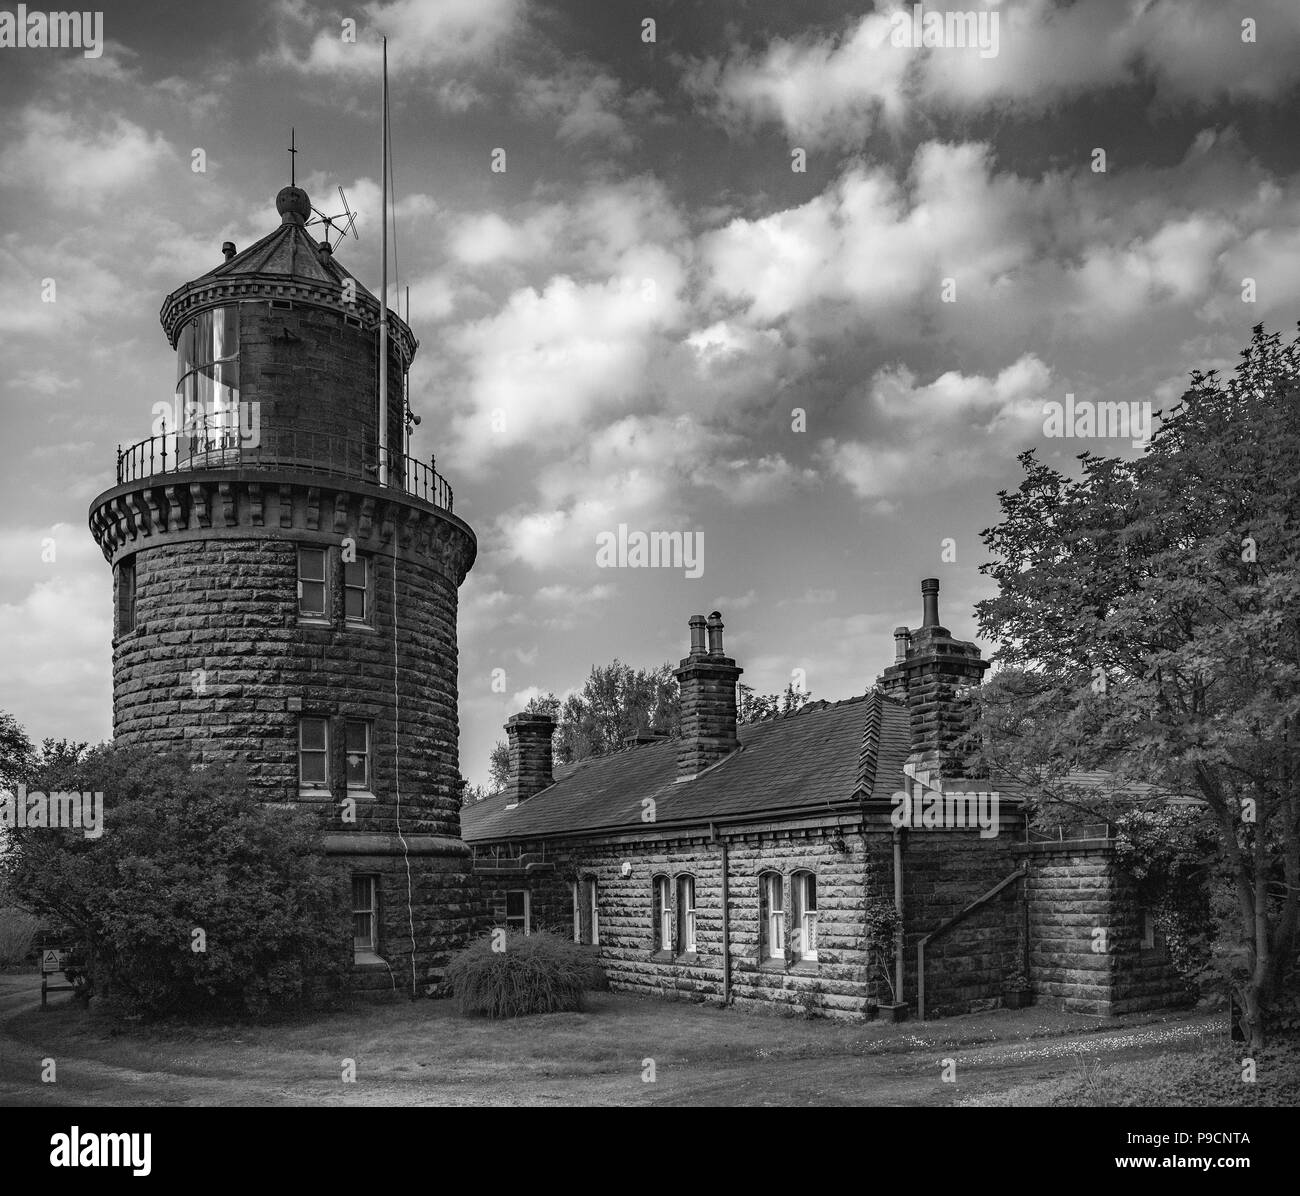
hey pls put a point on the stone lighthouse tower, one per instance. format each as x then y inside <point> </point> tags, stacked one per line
<point>286,588</point>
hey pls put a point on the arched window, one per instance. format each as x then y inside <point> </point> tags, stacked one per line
<point>663,914</point>
<point>804,894</point>
<point>686,915</point>
<point>771,916</point>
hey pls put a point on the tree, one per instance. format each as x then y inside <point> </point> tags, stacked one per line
<point>197,897</point>
<point>16,754</point>
<point>1151,612</point>
<point>754,707</point>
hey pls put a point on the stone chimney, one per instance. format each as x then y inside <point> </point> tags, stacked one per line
<point>708,683</point>
<point>929,671</point>
<point>530,754</point>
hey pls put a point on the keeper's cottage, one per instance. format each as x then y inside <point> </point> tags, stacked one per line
<point>837,858</point>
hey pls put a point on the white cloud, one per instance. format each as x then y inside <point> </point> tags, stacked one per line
<point>934,436</point>
<point>72,164</point>
<point>832,88</point>
<point>425,38</point>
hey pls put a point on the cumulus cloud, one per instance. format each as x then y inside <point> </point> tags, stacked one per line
<point>834,87</point>
<point>72,164</point>
<point>425,38</point>
<point>937,435</point>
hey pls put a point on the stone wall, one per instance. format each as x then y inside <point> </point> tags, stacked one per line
<point>1085,933</point>
<point>313,371</point>
<point>219,665</point>
<point>966,967</point>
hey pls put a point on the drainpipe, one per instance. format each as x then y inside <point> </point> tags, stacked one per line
<point>726,915</point>
<point>898,905</point>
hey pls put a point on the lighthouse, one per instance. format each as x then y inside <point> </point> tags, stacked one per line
<point>285,584</point>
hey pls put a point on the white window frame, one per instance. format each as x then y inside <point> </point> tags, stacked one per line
<point>370,911</point>
<point>686,913</point>
<point>577,910</point>
<point>362,786</point>
<point>664,894</point>
<point>511,919</point>
<point>775,915</point>
<point>366,576</point>
<point>323,581</point>
<point>807,928</point>
<point>303,783</point>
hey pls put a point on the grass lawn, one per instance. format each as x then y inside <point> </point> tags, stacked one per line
<point>1212,1076</point>
<point>424,1052</point>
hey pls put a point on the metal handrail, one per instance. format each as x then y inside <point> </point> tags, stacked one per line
<point>296,448</point>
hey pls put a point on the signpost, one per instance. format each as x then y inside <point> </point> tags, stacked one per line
<point>52,961</point>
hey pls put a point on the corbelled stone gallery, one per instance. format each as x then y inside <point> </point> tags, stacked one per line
<point>286,589</point>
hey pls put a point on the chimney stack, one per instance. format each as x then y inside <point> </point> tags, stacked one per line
<point>228,249</point>
<point>929,670</point>
<point>530,754</point>
<point>708,683</point>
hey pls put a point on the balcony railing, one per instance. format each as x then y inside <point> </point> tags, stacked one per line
<point>292,448</point>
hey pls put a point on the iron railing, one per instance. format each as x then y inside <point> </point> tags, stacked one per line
<point>292,448</point>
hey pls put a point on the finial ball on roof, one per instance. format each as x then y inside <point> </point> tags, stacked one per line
<point>293,205</point>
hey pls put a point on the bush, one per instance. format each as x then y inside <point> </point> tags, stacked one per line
<point>534,973</point>
<point>17,933</point>
<point>184,852</point>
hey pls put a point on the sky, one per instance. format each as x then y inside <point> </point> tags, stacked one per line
<point>764,274</point>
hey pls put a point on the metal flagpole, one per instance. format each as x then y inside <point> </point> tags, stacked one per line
<point>383,287</point>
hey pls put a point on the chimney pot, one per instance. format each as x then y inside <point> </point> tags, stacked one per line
<point>930,602</point>
<point>698,626</point>
<point>228,249</point>
<point>715,626</point>
<point>902,638</point>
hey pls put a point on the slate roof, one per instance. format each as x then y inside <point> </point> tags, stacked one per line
<point>826,754</point>
<point>288,250</point>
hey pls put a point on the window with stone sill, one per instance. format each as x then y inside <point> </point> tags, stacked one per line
<point>663,916</point>
<point>357,755</point>
<point>685,913</point>
<point>586,918</point>
<point>358,592</point>
<point>313,754</point>
<point>365,919</point>
<point>518,911</point>
<point>804,892</point>
<point>313,587</point>
<point>771,916</point>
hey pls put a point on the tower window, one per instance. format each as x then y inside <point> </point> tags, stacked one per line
<point>365,929</point>
<point>358,753</point>
<point>207,384</point>
<point>311,583</point>
<point>126,595</point>
<point>313,753</point>
<point>356,590</point>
